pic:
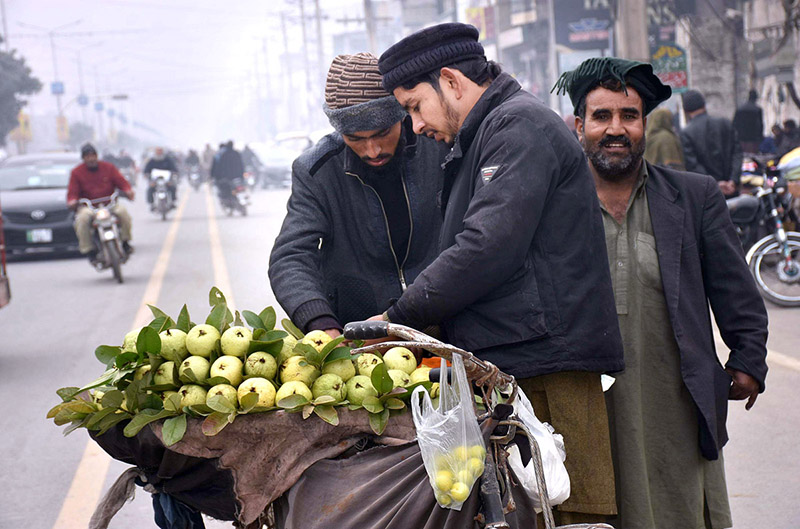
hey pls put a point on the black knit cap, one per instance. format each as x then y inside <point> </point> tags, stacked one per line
<point>426,50</point>
<point>88,148</point>
<point>693,100</point>
<point>639,75</point>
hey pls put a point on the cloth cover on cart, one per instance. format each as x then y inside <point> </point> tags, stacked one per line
<point>384,487</point>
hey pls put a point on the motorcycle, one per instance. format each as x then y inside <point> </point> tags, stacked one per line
<point>773,252</point>
<point>105,234</point>
<point>234,196</point>
<point>194,177</point>
<point>130,175</point>
<point>162,198</point>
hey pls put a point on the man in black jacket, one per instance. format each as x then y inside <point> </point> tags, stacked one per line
<point>161,160</point>
<point>749,124</point>
<point>673,251</point>
<point>710,145</point>
<point>522,280</point>
<point>362,219</point>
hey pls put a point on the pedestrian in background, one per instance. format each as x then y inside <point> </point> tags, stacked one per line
<point>663,145</point>
<point>749,124</point>
<point>710,145</point>
<point>790,139</point>
<point>672,251</point>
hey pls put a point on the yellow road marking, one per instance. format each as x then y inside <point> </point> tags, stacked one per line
<point>221,278</point>
<point>89,479</point>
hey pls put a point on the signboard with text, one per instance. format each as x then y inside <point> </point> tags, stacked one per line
<point>669,64</point>
<point>583,24</point>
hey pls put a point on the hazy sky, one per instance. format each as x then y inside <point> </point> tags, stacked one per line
<point>188,66</point>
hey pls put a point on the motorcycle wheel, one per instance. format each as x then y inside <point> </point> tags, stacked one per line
<point>114,259</point>
<point>777,279</point>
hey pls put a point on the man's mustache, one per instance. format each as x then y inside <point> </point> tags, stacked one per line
<point>615,139</point>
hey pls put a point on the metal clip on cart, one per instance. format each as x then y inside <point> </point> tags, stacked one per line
<point>499,425</point>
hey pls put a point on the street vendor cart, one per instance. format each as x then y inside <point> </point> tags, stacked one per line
<point>272,470</point>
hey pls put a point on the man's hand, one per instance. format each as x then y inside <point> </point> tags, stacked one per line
<point>333,333</point>
<point>130,194</point>
<point>743,387</point>
<point>72,204</point>
<point>727,187</point>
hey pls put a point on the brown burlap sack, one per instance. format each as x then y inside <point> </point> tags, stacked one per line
<point>267,453</point>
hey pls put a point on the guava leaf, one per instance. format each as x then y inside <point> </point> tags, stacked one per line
<point>75,425</point>
<point>248,402</point>
<point>106,353</point>
<point>213,381</point>
<point>395,393</point>
<point>214,423</point>
<point>140,420</point>
<point>111,420</point>
<point>67,393</point>
<point>152,402</point>
<point>254,320</point>
<point>65,416</point>
<point>216,352</point>
<point>330,346</point>
<point>353,407</point>
<point>173,430</point>
<point>378,421</point>
<point>323,399</point>
<point>381,380</point>
<point>216,297</point>
<point>112,399</point>
<point>372,405</point>
<point>237,319</point>
<point>268,317</point>
<point>157,313</point>
<point>106,377</point>
<point>95,419</point>
<point>56,409</point>
<point>217,317</point>
<point>200,410</point>
<point>258,333</point>
<point>337,354</point>
<point>220,404</point>
<point>124,359</point>
<point>305,349</point>
<point>148,341</point>
<point>173,403</point>
<point>308,409</point>
<point>188,376</point>
<point>328,414</point>
<point>394,404</point>
<point>184,321</point>
<point>291,328</point>
<point>158,323</point>
<point>292,401</point>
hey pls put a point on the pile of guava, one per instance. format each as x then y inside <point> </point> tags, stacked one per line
<point>234,364</point>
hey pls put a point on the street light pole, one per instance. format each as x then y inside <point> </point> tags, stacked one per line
<point>5,23</point>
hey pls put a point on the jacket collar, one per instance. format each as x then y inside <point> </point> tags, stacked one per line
<point>503,87</point>
<point>406,147</point>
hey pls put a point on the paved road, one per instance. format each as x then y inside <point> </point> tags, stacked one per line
<point>62,309</point>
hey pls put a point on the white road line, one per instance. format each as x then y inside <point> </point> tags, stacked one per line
<point>87,483</point>
<point>221,278</point>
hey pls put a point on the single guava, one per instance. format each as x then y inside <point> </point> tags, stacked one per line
<point>358,388</point>
<point>141,371</point>
<point>443,499</point>
<point>129,342</point>
<point>192,395</point>
<point>465,476</point>
<point>202,339</point>
<point>294,387</point>
<point>165,375</point>
<point>164,396</point>
<point>444,480</point>
<point>236,341</point>
<point>260,386</point>
<point>477,451</point>
<point>226,391</point>
<point>261,364</point>
<point>420,374</point>
<point>399,378</point>
<point>287,351</point>
<point>343,367</point>
<point>330,385</point>
<point>228,367</point>
<point>475,466</point>
<point>317,339</point>
<point>199,366</point>
<point>297,368</point>
<point>173,345</point>
<point>459,492</point>
<point>461,453</point>
<point>400,358</point>
<point>366,363</point>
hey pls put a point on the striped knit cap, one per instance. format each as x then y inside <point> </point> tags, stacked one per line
<point>354,98</point>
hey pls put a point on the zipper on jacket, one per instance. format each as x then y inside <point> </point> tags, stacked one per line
<point>400,275</point>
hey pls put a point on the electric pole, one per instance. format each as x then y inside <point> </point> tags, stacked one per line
<point>5,23</point>
<point>320,49</point>
<point>631,30</point>
<point>369,20</point>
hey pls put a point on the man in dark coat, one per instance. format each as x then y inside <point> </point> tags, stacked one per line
<point>522,280</point>
<point>710,145</point>
<point>673,251</point>
<point>362,219</point>
<point>749,124</point>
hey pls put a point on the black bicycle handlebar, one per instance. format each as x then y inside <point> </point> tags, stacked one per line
<point>366,330</point>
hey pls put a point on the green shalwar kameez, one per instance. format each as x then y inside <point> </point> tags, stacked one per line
<point>663,482</point>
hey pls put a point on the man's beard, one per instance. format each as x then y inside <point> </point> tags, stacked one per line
<point>93,167</point>
<point>451,120</point>
<point>614,169</point>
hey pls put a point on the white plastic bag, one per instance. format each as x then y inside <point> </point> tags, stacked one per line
<point>551,446</point>
<point>449,437</point>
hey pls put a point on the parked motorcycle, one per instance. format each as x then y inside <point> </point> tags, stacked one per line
<point>105,234</point>
<point>234,196</point>
<point>773,253</point>
<point>162,198</point>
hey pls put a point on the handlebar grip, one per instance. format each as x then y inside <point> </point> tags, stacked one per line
<point>366,330</point>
